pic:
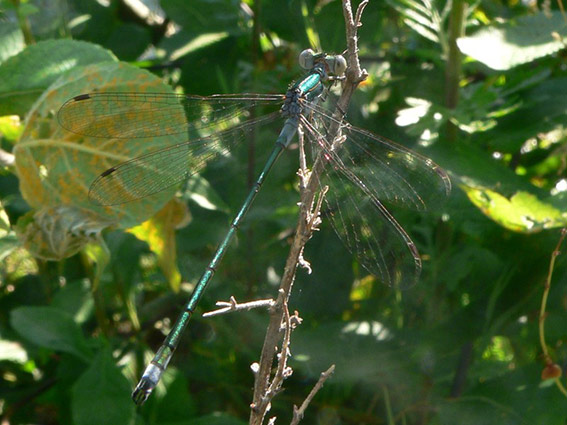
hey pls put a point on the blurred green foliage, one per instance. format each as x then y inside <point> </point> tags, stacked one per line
<point>461,347</point>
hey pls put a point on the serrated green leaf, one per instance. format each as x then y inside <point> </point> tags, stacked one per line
<point>56,167</point>
<point>516,42</point>
<point>50,328</point>
<point>101,396</point>
<point>25,76</point>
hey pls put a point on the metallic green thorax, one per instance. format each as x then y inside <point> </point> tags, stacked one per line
<point>308,89</point>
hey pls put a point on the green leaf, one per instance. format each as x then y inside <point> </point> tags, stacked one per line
<point>56,167</point>
<point>423,18</point>
<point>25,76</point>
<point>50,328</point>
<point>516,42</point>
<point>11,40</point>
<point>204,16</point>
<point>75,298</point>
<point>203,194</point>
<point>522,212</point>
<point>101,396</point>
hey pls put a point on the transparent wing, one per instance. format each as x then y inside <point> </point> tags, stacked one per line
<point>213,126</point>
<point>366,172</point>
<point>158,170</point>
<point>139,115</point>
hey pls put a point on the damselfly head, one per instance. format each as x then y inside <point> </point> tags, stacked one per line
<point>333,64</point>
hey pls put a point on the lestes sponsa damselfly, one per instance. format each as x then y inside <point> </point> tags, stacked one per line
<point>364,172</point>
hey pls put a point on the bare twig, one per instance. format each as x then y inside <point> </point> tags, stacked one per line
<point>299,412</point>
<point>308,219</point>
<point>233,305</point>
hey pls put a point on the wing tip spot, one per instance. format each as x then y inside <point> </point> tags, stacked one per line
<point>108,172</point>
<point>80,97</point>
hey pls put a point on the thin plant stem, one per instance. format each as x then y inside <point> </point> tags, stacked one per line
<point>542,311</point>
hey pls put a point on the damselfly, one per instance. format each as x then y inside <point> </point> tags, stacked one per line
<point>364,172</point>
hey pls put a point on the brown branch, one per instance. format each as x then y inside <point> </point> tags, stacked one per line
<point>308,219</point>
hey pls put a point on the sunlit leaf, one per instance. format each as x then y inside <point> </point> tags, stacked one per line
<point>516,42</point>
<point>12,352</point>
<point>159,233</point>
<point>10,127</point>
<point>362,289</point>
<point>522,212</point>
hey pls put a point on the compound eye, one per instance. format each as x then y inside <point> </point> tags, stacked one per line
<point>338,65</point>
<point>306,59</point>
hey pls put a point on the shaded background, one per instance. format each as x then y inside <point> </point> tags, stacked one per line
<point>481,88</point>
